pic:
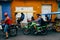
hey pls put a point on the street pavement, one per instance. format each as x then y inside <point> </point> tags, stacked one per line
<point>50,36</point>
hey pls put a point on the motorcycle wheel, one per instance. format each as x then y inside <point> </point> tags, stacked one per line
<point>13,32</point>
<point>26,31</point>
<point>44,32</point>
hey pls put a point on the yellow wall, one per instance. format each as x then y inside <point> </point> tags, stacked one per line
<point>35,4</point>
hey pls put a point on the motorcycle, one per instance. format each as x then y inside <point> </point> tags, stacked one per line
<point>33,28</point>
<point>57,25</point>
<point>12,30</point>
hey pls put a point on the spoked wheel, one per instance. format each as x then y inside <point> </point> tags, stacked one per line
<point>58,29</point>
<point>44,32</point>
<point>13,32</point>
<point>26,31</point>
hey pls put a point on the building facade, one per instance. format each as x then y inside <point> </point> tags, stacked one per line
<point>4,7</point>
<point>32,7</point>
<point>58,1</point>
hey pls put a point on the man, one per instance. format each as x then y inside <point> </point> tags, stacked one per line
<point>22,17</point>
<point>7,22</point>
<point>47,19</point>
<point>19,18</point>
<point>40,20</point>
<point>32,19</point>
<point>18,23</point>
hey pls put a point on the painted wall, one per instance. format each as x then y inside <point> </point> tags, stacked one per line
<point>58,15</point>
<point>36,6</point>
<point>6,8</point>
<point>58,6</point>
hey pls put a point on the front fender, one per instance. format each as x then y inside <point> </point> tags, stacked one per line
<point>26,27</point>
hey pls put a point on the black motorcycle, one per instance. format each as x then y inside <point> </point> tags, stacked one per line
<point>12,30</point>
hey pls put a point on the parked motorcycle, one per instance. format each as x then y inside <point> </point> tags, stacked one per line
<point>12,30</point>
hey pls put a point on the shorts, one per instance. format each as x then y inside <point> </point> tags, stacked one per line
<point>6,28</point>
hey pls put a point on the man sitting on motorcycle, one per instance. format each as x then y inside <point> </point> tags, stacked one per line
<point>40,20</point>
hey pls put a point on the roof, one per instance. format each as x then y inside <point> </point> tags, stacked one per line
<point>34,0</point>
<point>5,0</point>
<point>51,13</point>
<point>58,0</point>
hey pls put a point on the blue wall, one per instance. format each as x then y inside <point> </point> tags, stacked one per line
<point>6,8</point>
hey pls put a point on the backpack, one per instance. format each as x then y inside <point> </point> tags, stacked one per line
<point>22,17</point>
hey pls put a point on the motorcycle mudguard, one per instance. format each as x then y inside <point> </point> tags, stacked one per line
<point>38,28</point>
<point>25,26</point>
<point>43,27</point>
<point>33,23</point>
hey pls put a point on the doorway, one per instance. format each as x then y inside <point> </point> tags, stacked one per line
<point>27,11</point>
<point>45,10</point>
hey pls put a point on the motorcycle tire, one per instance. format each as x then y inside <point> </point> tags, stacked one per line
<point>26,31</point>
<point>44,32</point>
<point>13,32</point>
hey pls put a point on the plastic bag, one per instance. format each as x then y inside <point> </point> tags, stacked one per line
<point>0,26</point>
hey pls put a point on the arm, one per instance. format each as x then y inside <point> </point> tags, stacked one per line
<point>37,19</point>
<point>6,19</point>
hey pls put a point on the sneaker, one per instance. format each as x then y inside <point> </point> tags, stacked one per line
<point>6,38</point>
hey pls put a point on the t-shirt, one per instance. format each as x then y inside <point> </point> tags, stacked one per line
<point>8,21</point>
<point>40,21</point>
<point>22,17</point>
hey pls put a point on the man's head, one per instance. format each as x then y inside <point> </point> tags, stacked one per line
<point>22,13</point>
<point>38,15</point>
<point>5,14</point>
<point>46,16</point>
<point>15,13</point>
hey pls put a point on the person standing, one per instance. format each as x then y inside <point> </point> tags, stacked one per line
<point>7,22</point>
<point>22,18</point>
